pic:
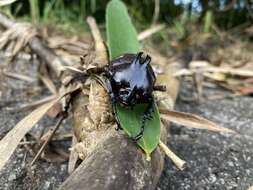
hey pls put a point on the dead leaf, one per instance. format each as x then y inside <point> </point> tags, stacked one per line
<point>192,121</point>
<point>10,142</point>
<point>216,76</point>
<point>246,89</point>
<point>55,110</point>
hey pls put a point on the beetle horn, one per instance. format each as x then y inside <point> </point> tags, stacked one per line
<point>138,57</point>
<point>146,61</point>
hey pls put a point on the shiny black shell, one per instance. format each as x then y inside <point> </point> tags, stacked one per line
<point>131,79</point>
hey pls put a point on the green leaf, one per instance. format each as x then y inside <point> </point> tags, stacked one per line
<point>122,38</point>
<point>121,34</point>
<point>130,120</point>
<point>208,21</point>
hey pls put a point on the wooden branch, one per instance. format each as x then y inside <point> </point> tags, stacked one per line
<point>117,164</point>
<point>39,47</point>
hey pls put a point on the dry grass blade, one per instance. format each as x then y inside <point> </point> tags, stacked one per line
<point>150,31</point>
<point>36,103</point>
<point>6,2</point>
<point>230,71</point>
<point>192,121</point>
<point>19,34</point>
<point>9,143</point>
<point>204,70</point>
<point>48,83</point>
<point>73,69</point>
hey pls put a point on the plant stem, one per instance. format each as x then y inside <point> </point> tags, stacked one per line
<point>181,164</point>
<point>34,11</point>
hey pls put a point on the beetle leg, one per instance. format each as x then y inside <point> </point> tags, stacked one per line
<point>114,100</point>
<point>118,127</point>
<point>161,88</point>
<point>98,70</point>
<point>147,115</point>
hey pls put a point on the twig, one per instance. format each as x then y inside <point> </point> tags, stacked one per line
<point>62,117</point>
<point>18,76</point>
<point>181,164</point>
<point>28,142</point>
<point>101,55</point>
<point>27,147</point>
<point>149,32</point>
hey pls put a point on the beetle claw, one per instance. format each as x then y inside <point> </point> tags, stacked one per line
<point>137,137</point>
<point>118,127</point>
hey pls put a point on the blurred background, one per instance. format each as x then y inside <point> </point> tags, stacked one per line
<point>226,14</point>
<point>185,20</point>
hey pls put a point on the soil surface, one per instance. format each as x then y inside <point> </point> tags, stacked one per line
<point>216,161</point>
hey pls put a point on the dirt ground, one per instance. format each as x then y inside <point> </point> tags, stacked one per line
<point>216,161</point>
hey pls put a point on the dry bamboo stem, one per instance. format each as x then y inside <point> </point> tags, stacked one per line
<point>181,164</point>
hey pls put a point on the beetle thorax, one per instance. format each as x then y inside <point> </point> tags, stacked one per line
<point>132,82</point>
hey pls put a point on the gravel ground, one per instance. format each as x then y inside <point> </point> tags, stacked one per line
<point>216,161</point>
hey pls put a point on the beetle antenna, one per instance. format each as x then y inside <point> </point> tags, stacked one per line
<point>132,94</point>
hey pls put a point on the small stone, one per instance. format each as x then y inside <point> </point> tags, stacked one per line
<point>231,164</point>
<point>12,177</point>
<point>212,178</point>
<point>47,185</point>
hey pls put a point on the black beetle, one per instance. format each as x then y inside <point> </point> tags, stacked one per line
<point>130,81</point>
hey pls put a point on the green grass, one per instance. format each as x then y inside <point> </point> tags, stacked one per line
<point>70,14</point>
